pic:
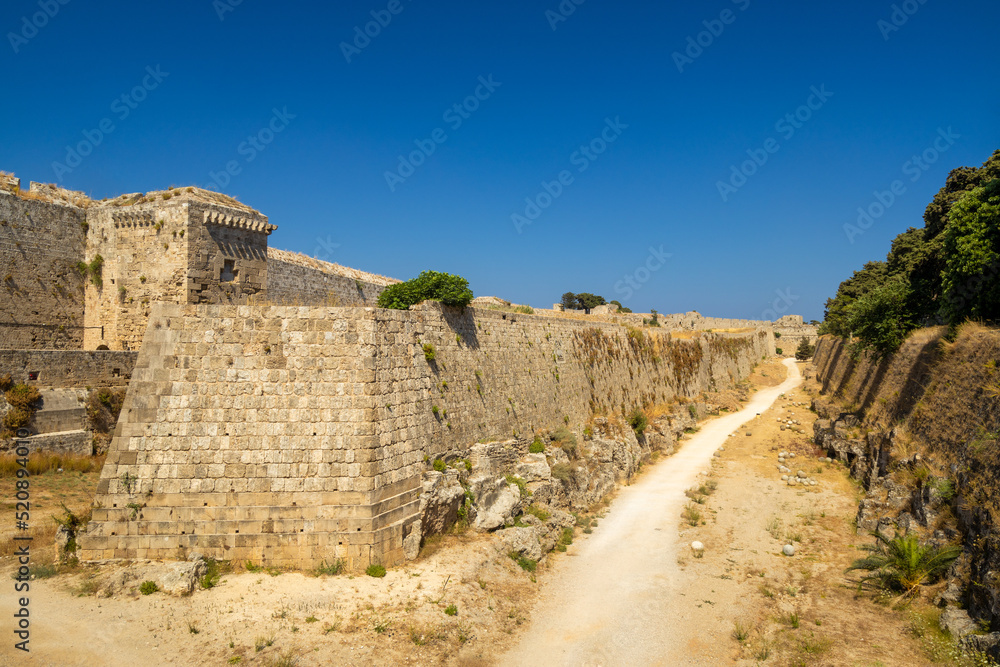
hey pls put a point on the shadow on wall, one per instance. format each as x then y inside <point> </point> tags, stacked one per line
<point>463,322</point>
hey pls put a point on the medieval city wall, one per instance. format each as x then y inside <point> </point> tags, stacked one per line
<point>292,435</point>
<point>294,279</point>
<point>68,368</point>
<point>42,304</point>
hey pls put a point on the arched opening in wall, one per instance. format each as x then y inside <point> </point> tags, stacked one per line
<point>103,347</point>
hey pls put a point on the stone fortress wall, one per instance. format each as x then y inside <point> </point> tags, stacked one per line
<point>791,331</point>
<point>182,245</point>
<point>292,435</point>
<point>43,295</point>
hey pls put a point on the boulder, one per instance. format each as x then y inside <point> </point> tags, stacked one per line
<point>496,501</point>
<point>533,468</point>
<point>440,500</point>
<point>957,622</point>
<point>180,578</point>
<point>521,541</point>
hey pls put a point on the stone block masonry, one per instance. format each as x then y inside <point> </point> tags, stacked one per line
<point>41,294</point>
<point>293,435</point>
<point>68,368</point>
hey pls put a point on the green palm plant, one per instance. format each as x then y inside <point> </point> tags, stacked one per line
<point>902,564</point>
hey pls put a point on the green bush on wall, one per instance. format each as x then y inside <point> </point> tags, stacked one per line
<point>428,286</point>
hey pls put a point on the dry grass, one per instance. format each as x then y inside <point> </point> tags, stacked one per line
<point>40,463</point>
<point>49,492</point>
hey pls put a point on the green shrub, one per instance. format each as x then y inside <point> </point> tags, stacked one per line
<point>778,350</point>
<point>902,564</point>
<point>430,354</point>
<point>638,421</point>
<point>693,410</point>
<point>804,351</point>
<point>212,574</point>
<point>525,563</point>
<point>451,610</point>
<point>376,571</point>
<point>333,568</point>
<point>440,465</point>
<point>536,446</point>
<point>148,587</point>
<point>538,512</point>
<point>428,286</point>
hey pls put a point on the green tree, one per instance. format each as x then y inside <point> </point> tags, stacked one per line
<point>804,351</point>
<point>972,257</point>
<point>872,276</point>
<point>428,286</point>
<point>880,318</point>
<point>569,301</point>
<point>588,300</point>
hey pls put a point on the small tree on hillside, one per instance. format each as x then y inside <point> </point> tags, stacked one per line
<point>569,301</point>
<point>805,350</point>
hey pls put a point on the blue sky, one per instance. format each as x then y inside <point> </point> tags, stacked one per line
<point>660,132</point>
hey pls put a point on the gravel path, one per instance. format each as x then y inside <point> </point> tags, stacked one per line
<point>612,601</point>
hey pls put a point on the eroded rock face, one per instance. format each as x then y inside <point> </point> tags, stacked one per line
<point>522,541</point>
<point>495,501</point>
<point>440,501</point>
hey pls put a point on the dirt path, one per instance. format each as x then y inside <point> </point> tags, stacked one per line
<point>613,603</point>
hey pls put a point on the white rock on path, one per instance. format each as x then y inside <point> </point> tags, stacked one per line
<point>788,550</point>
<point>697,546</point>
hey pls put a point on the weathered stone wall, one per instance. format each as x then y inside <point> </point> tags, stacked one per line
<point>227,257</point>
<point>69,368</point>
<point>294,279</point>
<point>145,250</point>
<point>791,331</point>
<point>41,295</point>
<point>293,435</point>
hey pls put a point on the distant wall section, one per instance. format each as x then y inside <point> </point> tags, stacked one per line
<point>294,279</point>
<point>41,293</point>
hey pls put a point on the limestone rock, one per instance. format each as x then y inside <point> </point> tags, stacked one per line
<point>533,468</point>
<point>957,622</point>
<point>788,549</point>
<point>440,500</point>
<point>180,578</point>
<point>496,501</point>
<point>522,541</point>
<point>411,540</point>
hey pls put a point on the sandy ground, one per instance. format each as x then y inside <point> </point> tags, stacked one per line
<point>618,600</point>
<point>632,592</point>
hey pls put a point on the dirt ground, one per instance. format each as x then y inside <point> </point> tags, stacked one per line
<point>793,611</point>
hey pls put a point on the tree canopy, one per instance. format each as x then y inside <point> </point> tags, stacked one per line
<point>942,273</point>
<point>428,286</point>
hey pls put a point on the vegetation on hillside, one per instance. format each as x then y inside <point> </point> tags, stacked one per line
<point>946,272</point>
<point>586,301</point>
<point>428,286</point>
